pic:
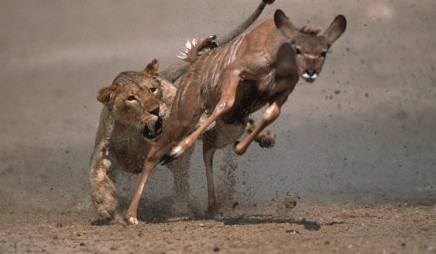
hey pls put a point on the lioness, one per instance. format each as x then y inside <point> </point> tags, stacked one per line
<point>134,108</point>
<point>134,113</point>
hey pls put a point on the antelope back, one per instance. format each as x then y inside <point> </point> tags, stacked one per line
<point>310,48</point>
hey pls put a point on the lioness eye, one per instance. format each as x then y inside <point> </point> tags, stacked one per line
<point>153,89</point>
<point>131,98</point>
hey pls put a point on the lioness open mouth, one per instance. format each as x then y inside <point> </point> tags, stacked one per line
<point>152,130</point>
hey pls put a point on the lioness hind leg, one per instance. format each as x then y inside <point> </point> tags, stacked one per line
<point>102,190</point>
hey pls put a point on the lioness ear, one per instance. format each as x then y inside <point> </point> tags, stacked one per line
<point>336,28</point>
<point>105,94</point>
<point>284,24</point>
<point>152,68</point>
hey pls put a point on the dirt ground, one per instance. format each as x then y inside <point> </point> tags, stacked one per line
<point>308,228</point>
<point>357,147</point>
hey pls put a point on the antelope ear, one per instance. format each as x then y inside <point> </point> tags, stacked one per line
<point>284,24</point>
<point>105,94</point>
<point>336,28</point>
<point>152,68</point>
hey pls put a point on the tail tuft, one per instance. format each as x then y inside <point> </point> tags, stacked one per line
<point>196,47</point>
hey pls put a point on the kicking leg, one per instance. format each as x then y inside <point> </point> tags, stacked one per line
<point>173,131</point>
<point>229,85</point>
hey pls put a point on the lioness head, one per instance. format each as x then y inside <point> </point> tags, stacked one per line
<point>135,100</point>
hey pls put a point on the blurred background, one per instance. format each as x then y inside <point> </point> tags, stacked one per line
<point>364,131</point>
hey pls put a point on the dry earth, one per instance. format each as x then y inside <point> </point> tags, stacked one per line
<point>358,146</point>
<point>308,228</point>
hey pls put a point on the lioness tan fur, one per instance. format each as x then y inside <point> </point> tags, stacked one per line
<point>133,102</point>
<point>133,106</point>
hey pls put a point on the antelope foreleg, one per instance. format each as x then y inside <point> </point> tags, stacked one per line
<point>208,153</point>
<point>271,114</point>
<point>131,213</point>
<point>230,84</point>
<point>150,162</point>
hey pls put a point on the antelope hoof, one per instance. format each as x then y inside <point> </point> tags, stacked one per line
<point>239,149</point>
<point>218,217</point>
<point>176,152</point>
<point>132,221</point>
<point>214,214</point>
<point>166,159</point>
<point>169,157</point>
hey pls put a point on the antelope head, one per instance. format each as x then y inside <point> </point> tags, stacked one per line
<point>310,48</point>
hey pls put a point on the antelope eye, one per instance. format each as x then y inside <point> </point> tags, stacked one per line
<point>298,51</point>
<point>324,54</point>
<point>131,98</point>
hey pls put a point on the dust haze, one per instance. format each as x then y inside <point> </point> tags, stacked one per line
<point>364,131</point>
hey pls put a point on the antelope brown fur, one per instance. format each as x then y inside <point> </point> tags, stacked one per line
<point>258,68</point>
<point>173,72</point>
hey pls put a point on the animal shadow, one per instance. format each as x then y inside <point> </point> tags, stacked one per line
<point>308,225</point>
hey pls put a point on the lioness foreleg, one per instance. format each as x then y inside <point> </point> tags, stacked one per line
<point>102,188</point>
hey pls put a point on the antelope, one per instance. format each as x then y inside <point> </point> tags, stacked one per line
<point>228,83</point>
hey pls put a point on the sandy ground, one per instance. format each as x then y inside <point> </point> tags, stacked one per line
<point>358,145</point>
<point>309,228</point>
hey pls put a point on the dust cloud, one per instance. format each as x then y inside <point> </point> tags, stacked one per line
<point>364,131</point>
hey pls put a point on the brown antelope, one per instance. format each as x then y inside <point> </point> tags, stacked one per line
<point>258,68</point>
